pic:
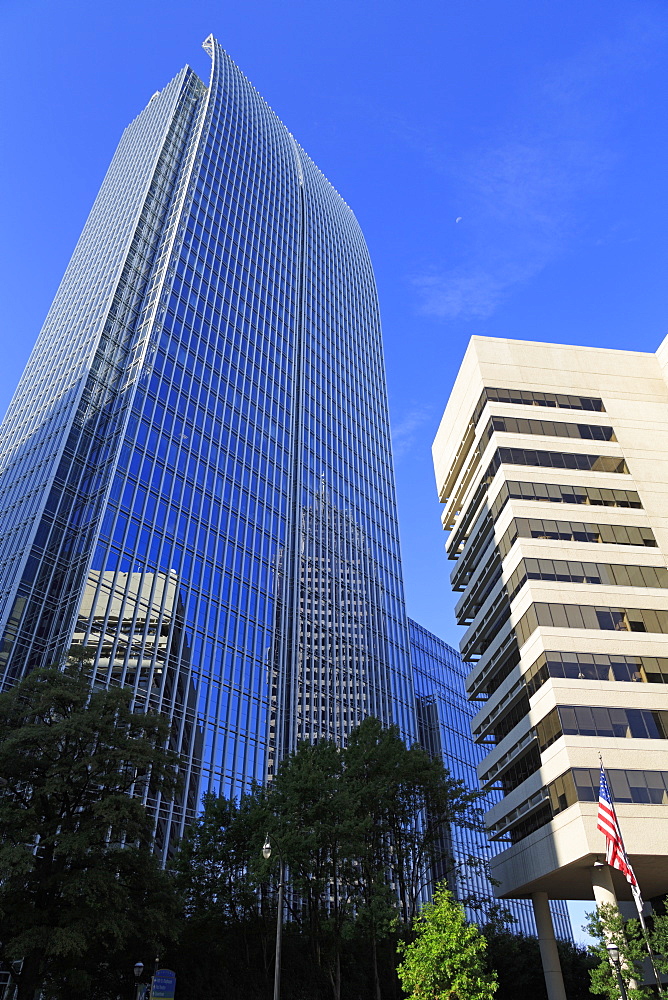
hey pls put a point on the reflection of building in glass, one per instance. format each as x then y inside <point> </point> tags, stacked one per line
<point>341,663</point>
<point>131,619</point>
<point>134,622</point>
<point>339,670</point>
<point>444,730</point>
<point>211,369</point>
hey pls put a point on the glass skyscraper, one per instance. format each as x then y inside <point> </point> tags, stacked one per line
<point>444,716</point>
<point>195,470</point>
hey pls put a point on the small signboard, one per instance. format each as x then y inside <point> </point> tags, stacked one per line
<point>164,985</point>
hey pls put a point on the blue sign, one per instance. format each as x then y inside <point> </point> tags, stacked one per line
<point>164,985</point>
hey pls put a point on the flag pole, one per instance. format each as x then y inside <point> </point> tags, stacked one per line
<point>626,870</point>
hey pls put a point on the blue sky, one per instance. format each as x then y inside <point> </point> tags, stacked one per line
<point>540,126</point>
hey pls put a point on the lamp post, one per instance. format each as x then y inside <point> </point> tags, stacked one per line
<point>138,969</point>
<point>266,853</point>
<point>613,953</point>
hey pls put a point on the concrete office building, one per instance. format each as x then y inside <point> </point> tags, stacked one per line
<point>552,464</point>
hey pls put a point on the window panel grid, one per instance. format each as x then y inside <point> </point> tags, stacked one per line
<point>584,616</point>
<point>546,428</point>
<point>532,397</point>
<point>574,531</point>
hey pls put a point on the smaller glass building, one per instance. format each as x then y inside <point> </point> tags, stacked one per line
<point>443,720</point>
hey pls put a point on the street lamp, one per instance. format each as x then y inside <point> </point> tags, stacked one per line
<point>266,854</point>
<point>138,969</point>
<point>613,953</point>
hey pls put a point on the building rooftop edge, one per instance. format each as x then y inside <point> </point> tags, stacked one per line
<point>560,345</point>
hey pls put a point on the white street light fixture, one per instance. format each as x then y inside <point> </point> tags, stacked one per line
<point>266,853</point>
<point>613,952</point>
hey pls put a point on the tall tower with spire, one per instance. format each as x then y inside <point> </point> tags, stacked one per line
<point>195,471</point>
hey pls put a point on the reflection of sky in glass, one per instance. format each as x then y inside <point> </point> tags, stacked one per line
<point>197,467</point>
<point>444,715</point>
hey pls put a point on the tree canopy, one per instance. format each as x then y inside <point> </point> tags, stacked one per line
<point>606,924</point>
<point>446,960</point>
<point>76,871</point>
<point>516,959</point>
<point>360,830</point>
<point>359,833</point>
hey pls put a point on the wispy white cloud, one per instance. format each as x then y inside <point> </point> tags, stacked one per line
<point>406,432</point>
<point>523,195</point>
<point>524,182</point>
<point>469,291</point>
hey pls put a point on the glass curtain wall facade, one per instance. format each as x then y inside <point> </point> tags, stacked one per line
<point>444,716</point>
<point>195,471</point>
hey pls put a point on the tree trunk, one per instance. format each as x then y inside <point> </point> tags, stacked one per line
<point>335,976</point>
<point>374,958</point>
<point>314,930</point>
<point>30,977</point>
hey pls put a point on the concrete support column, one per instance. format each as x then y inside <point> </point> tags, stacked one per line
<point>554,981</point>
<point>604,893</point>
<point>604,890</point>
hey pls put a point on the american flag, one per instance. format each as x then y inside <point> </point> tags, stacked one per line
<point>615,854</point>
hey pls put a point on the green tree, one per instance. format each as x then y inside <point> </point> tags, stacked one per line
<point>516,959</point>
<point>314,826</point>
<point>224,883</point>
<point>77,879</point>
<point>306,813</point>
<point>607,924</point>
<point>358,830</point>
<point>446,961</point>
<point>408,800</point>
<point>659,935</point>
<point>404,803</point>
<point>215,863</point>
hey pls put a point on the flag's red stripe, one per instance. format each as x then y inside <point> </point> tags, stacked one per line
<point>608,825</point>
